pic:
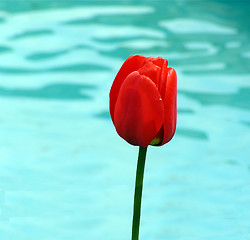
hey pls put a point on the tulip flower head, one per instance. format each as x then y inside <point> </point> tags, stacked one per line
<point>143,101</point>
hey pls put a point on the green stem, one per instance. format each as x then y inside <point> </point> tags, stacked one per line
<point>138,192</point>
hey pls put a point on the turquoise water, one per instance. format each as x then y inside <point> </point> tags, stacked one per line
<point>65,173</point>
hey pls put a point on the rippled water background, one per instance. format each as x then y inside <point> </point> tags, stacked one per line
<point>65,173</point>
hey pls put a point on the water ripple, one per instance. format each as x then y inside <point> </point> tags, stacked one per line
<point>196,26</point>
<point>56,91</point>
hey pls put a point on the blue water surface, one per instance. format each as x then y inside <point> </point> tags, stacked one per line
<point>64,171</point>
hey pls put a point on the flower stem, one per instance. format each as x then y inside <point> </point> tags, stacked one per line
<point>138,192</point>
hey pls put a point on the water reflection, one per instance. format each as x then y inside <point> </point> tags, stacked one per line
<point>240,99</point>
<point>55,91</point>
<point>32,34</point>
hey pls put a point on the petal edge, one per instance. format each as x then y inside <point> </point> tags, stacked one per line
<point>139,110</point>
<point>131,64</point>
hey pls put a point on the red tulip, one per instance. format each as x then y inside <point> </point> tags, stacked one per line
<point>143,101</point>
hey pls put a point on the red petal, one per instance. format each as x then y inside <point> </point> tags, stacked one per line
<point>159,61</point>
<point>152,71</point>
<point>163,79</point>
<point>139,110</point>
<point>130,65</point>
<point>169,101</point>
<point>156,61</point>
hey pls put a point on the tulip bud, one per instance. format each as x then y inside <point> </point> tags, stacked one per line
<point>143,101</point>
